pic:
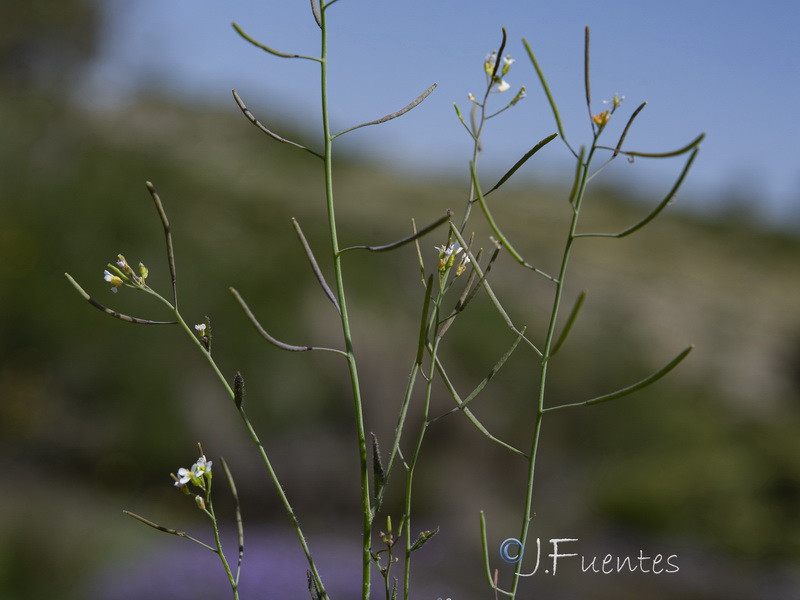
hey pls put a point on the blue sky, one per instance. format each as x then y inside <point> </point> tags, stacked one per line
<point>730,69</point>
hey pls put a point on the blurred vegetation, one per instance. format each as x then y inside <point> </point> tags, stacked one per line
<point>95,413</point>
<point>44,43</point>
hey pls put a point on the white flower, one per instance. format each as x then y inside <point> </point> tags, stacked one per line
<point>123,264</point>
<point>201,467</point>
<point>201,329</point>
<point>502,86</point>
<point>462,266</point>
<point>507,62</point>
<point>114,280</point>
<point>488,64</point>
<point>447,255</point>
<point>615,101</point>
<point>184,476</point>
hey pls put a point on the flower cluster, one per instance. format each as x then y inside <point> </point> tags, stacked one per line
<point>447,258</point>
<point>198,475</point>
<point>602,118</point>
<point>122,274</point>
<point>490,66</point>
<point>495,75</point>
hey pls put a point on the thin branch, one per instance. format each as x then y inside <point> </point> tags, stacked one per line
<point>272,51</point>
<point>570,322</point>
<point>423,325</point>
<point>627,127</point>
<point>474,394</point>
<point>472,418</point>
<point>690,146</point>
<point>498,233</point>
<point>486,568</point>
<point>489,292</point>
<point>272,340</point>
<point>239,526</point>
<point>661,206</point>
<point>162,529</point>
<point>111,312</point>
<point>393,115</point>
<point>416,235</point>
<point>550,99</point>
<point>168,235</point>
<point>631,388</point>
<point>315,265</point>
<point>521,162</point>
<point>271,134</point>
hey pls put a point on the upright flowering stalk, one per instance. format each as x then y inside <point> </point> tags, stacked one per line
<point>479,112</point>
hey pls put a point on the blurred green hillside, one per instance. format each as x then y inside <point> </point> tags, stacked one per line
<point>95,412</point>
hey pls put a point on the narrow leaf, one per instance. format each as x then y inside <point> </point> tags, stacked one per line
<point>393,115</point>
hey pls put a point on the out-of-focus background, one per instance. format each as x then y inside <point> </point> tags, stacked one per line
<point>97,98</point>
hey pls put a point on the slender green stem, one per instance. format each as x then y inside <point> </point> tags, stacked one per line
<point>218,542</point>
<point>547,351</point>
<point>254,437</point>
<point>417,449</point>
<point>366,509</point>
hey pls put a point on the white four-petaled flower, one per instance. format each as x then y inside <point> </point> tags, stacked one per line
<point>114,280</point>
<point>184,477</point>
<point>200,469</point>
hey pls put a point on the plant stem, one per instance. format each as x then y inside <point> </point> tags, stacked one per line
<point>366,509</point>
<point>256,440</point>
<point>546,354</point>
<point>210,512</point>
<point>418,447</point>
